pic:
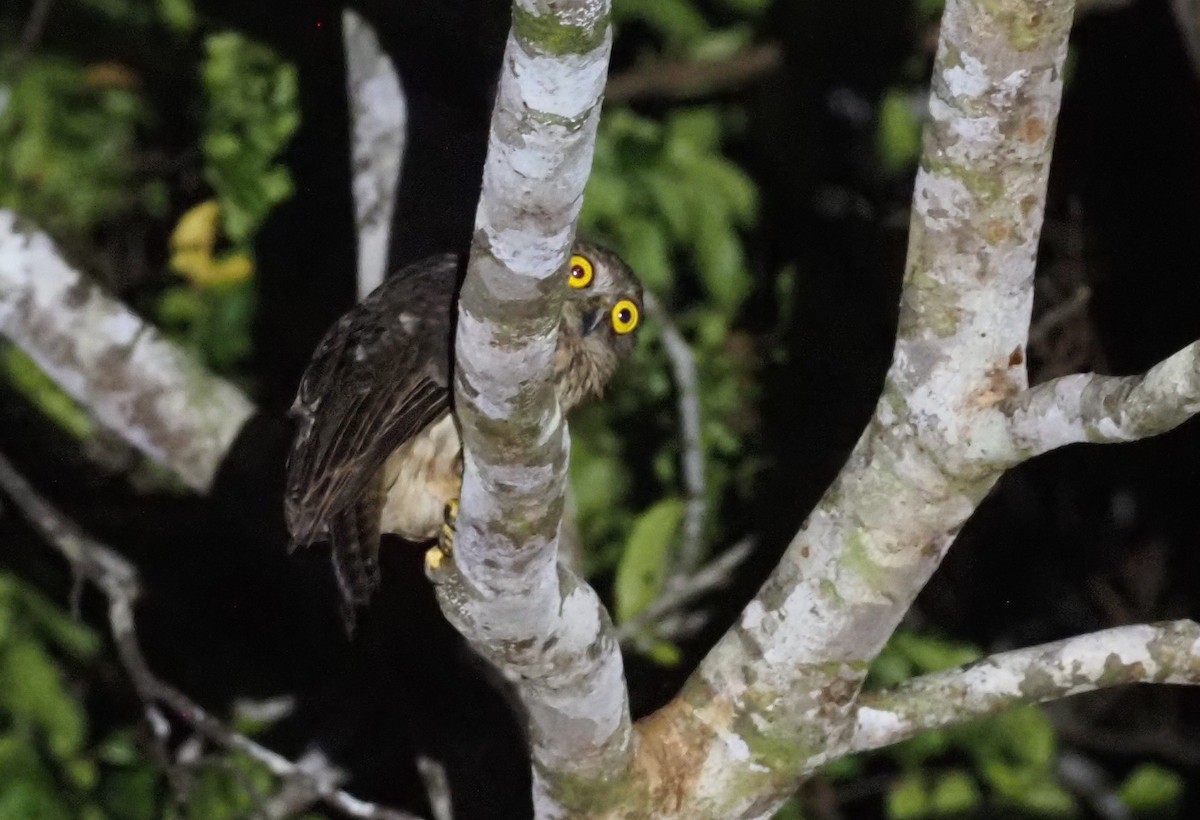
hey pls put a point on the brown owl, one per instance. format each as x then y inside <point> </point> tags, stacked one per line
<point>377,448</point>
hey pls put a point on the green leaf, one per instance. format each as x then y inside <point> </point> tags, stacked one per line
<point>720,262</point>
<point>645,248</point>
<point>118,749</point>
<point>44,393</point>
<point>24,800</point>
<point>693,133</point>
<point>178,14</point>
<point>664,653</point>
<point>67,633</point>
<point>643,567</point>
<point>131,794</point>
<point>1151,789</point>
<point>676,20</point>
<point>954,792</point>
<point>898,135</point>
<point>31,688</point>
<point>907,798</point>
<point>252,110</point>
<point>932,654</point>
<point>1048,798</point>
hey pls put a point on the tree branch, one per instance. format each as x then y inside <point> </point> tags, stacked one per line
<point>378,118</point>
<point>1159,653</point>
<point>1091,408</point>
<point>544,628</point>
<point>779,688</point>
<point>709,578</point>
<point>117,578</point>
<point>681,79</point>
<point>121,368</point>
<point>683,363</point>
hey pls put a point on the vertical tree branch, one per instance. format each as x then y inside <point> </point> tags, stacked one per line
<point>543,627</point>
<point>122,369</point>
<point>378,118</point>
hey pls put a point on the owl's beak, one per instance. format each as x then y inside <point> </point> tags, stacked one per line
<point>592,320</point>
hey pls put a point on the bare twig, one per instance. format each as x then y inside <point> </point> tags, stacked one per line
<point>689,78</point>
<point>117,578</point>
<point>1060,314</point>
<point>683,364</point>
<point>437,786</point>
<point>711,577</point>
<point>1088,779</point>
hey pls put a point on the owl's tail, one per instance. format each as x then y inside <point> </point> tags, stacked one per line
<point>354,533</point>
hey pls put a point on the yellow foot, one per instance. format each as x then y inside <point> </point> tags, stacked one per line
<point>434,558</point>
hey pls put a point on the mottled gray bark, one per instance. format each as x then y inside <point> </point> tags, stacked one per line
<point>776,693</point>
<point>544,628</point>
<point>778,696</point>
<point>1160,653</point>
<point>135,381</point>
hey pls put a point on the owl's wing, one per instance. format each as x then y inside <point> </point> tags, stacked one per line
<point>380,376</point>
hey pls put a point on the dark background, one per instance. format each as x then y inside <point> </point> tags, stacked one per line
<point>1079,540</point>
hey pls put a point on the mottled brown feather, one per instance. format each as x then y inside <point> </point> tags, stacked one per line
<point>378,378</point>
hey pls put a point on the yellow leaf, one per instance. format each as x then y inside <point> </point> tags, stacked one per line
<point>197,229</point>
<point>235,267</point>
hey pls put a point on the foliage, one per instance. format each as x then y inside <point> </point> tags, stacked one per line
<point>78,141</point>
<point>52,767</point>
<point>1003,765</point>
<point>251,112</point>
<point>43,392</point>
<point>211,314</point>
<point>49,765</point>
<point>69,133</point>
<point>665,196</point>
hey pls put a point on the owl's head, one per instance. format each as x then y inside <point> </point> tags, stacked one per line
<point>601,314</point>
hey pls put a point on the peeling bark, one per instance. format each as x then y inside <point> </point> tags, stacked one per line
<point>134,380</point>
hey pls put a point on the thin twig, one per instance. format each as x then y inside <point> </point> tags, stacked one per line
<point>689,78</point>
<point>713,576</point>
<point>1088,779</point>
<point>31,33</point>
<point>683,365</point>
<point>437,786</point>
<point>117,578</point>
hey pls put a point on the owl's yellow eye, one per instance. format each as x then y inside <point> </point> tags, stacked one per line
<point>624,316</point>
<point>581,272</point>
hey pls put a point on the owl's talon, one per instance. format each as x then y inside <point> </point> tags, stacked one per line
<point>434,558</point>
<point>446,533</point>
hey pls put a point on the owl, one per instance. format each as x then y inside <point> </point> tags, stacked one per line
<point>377,447</point>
